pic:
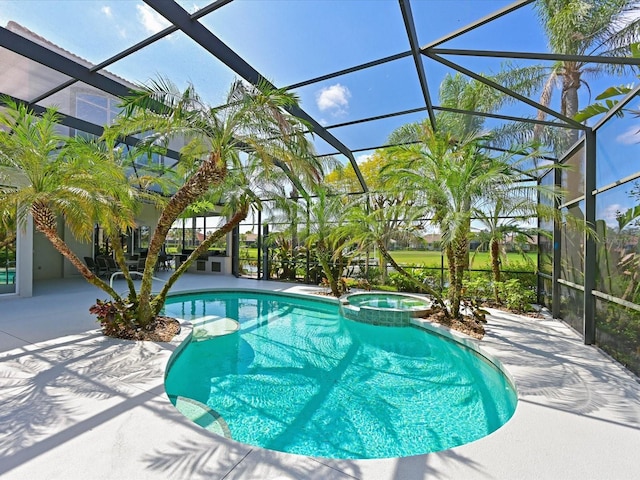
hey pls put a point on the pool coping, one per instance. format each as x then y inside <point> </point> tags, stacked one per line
<point>578,412</point>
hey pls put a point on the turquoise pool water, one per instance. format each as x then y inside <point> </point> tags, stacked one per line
<point>383,300</point>
<point>299,378</point>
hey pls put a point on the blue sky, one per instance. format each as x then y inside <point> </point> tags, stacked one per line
<point>292,40</point>
<point>287,41</point>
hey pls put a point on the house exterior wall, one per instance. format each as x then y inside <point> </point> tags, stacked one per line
<point>47,262</point>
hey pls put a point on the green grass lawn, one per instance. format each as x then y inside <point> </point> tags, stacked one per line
<point>248,253</point>
<point>480,261</point>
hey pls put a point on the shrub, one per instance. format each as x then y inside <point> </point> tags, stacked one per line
<point>515,296</point>
<point>372,274</point>
<point>478,288</point>
<point>528,279</point>
<point>401,282</point>
<point>114,317</point>
<point>419,273</point>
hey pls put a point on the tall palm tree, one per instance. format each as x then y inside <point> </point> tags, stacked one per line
<point>253,120</point>
<point>51,183</point>
<point>585,27</point>
<point>454,174</point>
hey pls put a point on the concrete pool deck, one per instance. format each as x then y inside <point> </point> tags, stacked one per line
<point>77,405</point>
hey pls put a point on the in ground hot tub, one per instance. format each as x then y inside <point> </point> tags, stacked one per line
<point>384,308</point>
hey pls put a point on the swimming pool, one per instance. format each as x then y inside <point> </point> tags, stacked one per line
<point>298,378</point>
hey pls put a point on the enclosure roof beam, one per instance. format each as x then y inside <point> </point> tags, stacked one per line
<point>452,110</point>
<point>570,123</point>
<point>478,23</point>
<point>410,26</point>
<point>554,57</point>
<point>345,71</point>
<point>44,56</point>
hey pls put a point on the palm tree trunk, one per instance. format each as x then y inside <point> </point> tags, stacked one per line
<point>494,247</point>
<point>569,103</point>
<point>460,253</point>
<point>63,248</point>
<point>451,265</point>
<point>159,300</point>
<point>333,284</point>
<point>545,99</point>
<point>211,172</point>
<point>120,260</point>
<point>383,265</point>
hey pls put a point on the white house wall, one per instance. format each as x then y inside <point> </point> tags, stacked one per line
<point>24,260</point>
<point>81,249</point>
<point>47,262</point>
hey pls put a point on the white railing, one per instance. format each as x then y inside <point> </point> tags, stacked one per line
<point>121,274</point>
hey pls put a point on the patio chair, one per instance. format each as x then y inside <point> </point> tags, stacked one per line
<point>102,266</point>
<point>107,264</point>
<point>141,263</point>
<point>91,265</point>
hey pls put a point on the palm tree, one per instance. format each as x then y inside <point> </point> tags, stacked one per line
<point>454,175</point>
<point>51,182</point>
<point>585,27</point>
<point>367,226</point>
<point>143,184</point>
<point>383,214</point>
<point>253,121</point>
<point>325,211</point>
<point>8,229</point>
<point>504,217</point>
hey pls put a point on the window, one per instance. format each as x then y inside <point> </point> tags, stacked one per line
<point>97,109</point>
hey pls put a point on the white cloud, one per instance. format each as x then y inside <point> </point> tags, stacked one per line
<point>113,25</point>
<point>629,137</point>
<point>610,213</point>
<point>193,9</point>
<point>360,159</point>
<point>152,21</point>
<point>122,32</point>
<point>334,99</point>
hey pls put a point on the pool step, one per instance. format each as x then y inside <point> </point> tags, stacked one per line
<point>212,326</point>
<point>201,414</point>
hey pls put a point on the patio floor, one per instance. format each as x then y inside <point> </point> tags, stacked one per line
<point>77,405</point>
